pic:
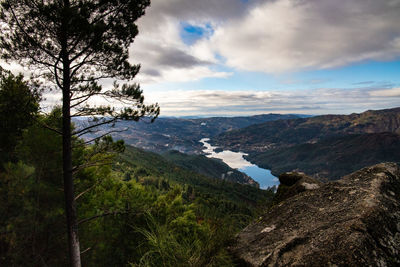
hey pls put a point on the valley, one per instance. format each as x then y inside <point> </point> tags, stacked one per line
<point>326,147</point>
<point>236,160</point>
<point>181,134</point>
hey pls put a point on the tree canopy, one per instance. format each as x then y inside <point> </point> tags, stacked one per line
<point>74,44</point>
<point>19,104</point>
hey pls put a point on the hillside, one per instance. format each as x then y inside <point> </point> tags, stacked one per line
<point>211,167</point>
<point>276,134</point>
<point>181,134</point>
<point>151,167</point>
<point>333,157</point>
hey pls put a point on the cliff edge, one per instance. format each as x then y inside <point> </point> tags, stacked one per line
<point>351,222</point>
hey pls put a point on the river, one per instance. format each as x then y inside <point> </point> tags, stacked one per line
<point>236,160</point>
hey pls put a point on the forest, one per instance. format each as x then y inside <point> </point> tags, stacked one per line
<point>134,207</point>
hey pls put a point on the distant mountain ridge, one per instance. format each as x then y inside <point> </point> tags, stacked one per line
<point>334,157</point>
<point>326,147</point>
<point>264,136</point>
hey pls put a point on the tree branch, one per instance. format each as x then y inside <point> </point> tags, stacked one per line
<point>94,164</point>
<point>86,129</point>
<point>86,250</point>
<point>48,127</point>
<point>101,136</point>
<point>84,192</point>
<point>37,44</point>
<point>106,214</point>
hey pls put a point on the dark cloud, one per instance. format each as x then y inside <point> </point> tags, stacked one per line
<point>151,72</point>
<point>213,10</point>
<point>173,57</point>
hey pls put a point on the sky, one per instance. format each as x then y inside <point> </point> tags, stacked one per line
<point>246,57</point>
<point>237,57</point>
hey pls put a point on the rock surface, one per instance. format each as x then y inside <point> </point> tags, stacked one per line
<point>293,183</point>
<point>351,222</point>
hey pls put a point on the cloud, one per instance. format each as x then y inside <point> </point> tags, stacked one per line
<point>15,68</point>
<point>270,36</point>
<point>316,101</point>
<point>291,35</point>
<point>393,92</point>
<point>163,55</point>
<point>181,75</point>
<point>195,10</point>
<point>168,57</point>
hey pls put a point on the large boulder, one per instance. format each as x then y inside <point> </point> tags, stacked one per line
<point>351,222</point>
<point>293,183</point>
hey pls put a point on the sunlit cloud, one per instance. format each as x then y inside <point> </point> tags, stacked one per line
<point>394,92</point>
<point>316,101</point>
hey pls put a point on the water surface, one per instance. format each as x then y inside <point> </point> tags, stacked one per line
<point>236,160</point>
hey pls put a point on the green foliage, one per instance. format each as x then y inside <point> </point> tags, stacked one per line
<point>198,246</point>
<point>19,104</point>
<point>214,195</point>
<point>74,44</point>
<point>34,203</point>
<point>33,228</point>
<point>141,210</point>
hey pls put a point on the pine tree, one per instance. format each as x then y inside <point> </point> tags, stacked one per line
<point>74,44</point>
<point>19,105</point>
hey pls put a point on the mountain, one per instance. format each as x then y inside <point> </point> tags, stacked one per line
<point>333,157</point>
<point>181,134</point>
<point>351,222</point>
<point>276,134</point>
<point>211,167</point>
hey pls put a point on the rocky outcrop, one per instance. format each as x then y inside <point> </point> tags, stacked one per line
<point>351,222</point>
<point>292,183</point>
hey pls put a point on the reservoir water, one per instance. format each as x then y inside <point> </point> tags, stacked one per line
<point>236,160</point>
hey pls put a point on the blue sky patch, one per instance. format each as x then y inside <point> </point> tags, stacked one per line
<point>192,33</point>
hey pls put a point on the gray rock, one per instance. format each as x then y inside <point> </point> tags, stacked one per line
<point>293,183</point>
<point>351,222</point>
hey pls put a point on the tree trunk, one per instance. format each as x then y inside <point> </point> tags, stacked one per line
<point>70,207</point>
